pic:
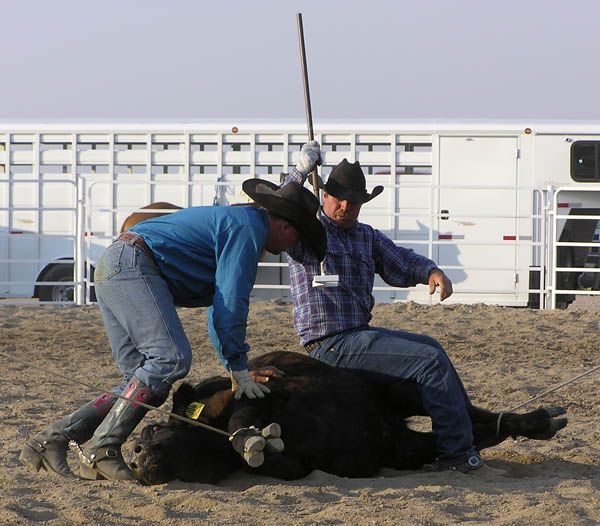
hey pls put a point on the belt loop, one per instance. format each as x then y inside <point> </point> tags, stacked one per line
<point>130,237</point>
<point>138,241</point>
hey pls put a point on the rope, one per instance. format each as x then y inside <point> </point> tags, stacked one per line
<point>128,400</point>
<point>500,415</point>
<point>552,389</point>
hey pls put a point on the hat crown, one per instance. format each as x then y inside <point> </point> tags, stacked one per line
<point>349,175</point>
<point>347,181</point>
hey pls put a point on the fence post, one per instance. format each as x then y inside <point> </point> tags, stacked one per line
<point>79,266</point>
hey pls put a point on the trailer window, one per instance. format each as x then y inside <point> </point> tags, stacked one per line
<point>585,161</point>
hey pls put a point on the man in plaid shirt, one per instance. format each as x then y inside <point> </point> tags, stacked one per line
<point>333,323</point>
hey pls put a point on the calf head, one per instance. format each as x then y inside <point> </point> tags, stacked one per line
<point>182,451</point>
<point>192,454</point>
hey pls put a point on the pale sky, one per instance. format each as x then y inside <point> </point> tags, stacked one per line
<point>183,60</point>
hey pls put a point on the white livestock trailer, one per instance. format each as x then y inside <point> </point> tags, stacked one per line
<point>508,210</point>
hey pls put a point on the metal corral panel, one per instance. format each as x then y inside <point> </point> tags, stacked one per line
<point>472,196</point>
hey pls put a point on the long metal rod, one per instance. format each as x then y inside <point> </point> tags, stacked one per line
<point>100,389</point>
<point>552,389</point>
<point>307,105</point>
<point>314,176</point>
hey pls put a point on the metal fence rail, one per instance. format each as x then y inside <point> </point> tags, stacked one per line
<point>112,172</point>
<point>97,209</point>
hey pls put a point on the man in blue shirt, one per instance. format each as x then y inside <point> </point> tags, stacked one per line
<point>333,323</point>
<point>200,256</point>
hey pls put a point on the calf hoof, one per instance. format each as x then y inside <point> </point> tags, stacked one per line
<point>249,443</point>
<point>556,424</point>
<point>274,445</point>
<point>272,434</point>
<point>254,459</point>
<point>271,431</point>
<point>552,424</point>
<point>254,444</point>
<point>554,410</point>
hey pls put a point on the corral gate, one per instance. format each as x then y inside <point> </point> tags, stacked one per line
<point>468,196</point>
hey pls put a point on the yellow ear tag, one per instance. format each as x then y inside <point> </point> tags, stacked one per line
<point>193,410</point>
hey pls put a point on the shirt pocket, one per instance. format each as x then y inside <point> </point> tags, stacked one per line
<point>365,266</point>
<point>355,264</point>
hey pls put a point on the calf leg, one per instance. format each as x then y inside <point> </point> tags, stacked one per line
<point>305,435</point>
<point>411,449</point>
<point>251,436</point>
<point>541,424</point>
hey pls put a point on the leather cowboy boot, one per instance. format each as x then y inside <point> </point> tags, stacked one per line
<point>48,449</point>
<point>101,458</point>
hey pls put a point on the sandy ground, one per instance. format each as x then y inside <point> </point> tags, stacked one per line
<point>504,356</point>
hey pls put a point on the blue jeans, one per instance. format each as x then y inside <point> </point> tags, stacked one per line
<point>415,357</point>
<point>144,331</point>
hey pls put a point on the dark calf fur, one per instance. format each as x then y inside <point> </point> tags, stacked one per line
<point>331,419</point>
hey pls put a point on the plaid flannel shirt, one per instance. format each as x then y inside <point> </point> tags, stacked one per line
<point>355,255</point>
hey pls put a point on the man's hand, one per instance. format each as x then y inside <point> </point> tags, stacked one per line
<point>310,156</point>
<point>438,279</point>
<point>243,384</point>
<point>264,374</point>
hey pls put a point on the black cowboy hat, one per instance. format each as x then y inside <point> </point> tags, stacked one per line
<point>296,204</point>
<point>347,181</point>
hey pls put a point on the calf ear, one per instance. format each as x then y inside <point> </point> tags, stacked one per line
<point>216,404</point>
<point>182,397</point>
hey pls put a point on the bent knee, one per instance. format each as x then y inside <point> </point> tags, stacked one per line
<point>183,365</point>
<point>431,342</point>
<point>176,364</point>
<point>438,358</point>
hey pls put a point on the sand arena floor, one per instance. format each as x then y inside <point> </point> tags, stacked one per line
<point>504,356</point>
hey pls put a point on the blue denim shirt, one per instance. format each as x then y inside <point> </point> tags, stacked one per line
<point>208,256</point>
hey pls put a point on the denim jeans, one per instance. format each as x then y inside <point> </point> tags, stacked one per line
<point>144,331</point>
<point>420,358</point>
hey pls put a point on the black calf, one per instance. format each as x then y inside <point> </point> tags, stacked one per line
<point>331,420</point>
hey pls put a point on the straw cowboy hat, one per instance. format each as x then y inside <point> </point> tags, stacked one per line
<point>296,204</point>
<point>347,182</point>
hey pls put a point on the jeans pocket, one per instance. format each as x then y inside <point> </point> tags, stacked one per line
<point>333,354</point>
<point>328,354</point>
<point>109,264</point>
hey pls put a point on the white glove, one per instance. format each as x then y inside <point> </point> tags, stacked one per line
<point>243,384</point>
<point>310,156</point>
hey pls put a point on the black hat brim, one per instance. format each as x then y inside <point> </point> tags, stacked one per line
<point>264,193</point>
<point>332,187</point>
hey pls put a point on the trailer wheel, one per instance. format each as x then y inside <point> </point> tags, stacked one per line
<point>60,293</point>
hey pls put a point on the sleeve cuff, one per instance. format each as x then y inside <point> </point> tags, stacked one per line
<point>238,362</point>
<point>295,175</point>
<point>428,270</point>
